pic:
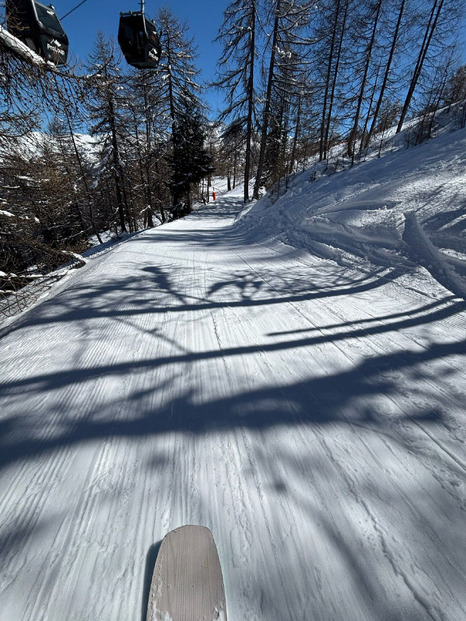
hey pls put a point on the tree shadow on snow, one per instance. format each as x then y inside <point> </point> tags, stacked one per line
<point>158,292</point>
<point>353,396</point>
<point>317,401</point>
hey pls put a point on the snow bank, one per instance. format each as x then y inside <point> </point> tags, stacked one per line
<point>22,50</point>
<point>423,250</point>
<point>358,215</point>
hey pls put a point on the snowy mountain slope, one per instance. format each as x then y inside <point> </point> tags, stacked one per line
<point>359,215</point>
<point>300,392</point>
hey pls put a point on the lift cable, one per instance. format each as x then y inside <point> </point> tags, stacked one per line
<point>73,9</point>
<point>143,2</point>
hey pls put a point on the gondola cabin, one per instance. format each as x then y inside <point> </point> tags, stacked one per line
<point>38,26</point>
<point>139,40</point>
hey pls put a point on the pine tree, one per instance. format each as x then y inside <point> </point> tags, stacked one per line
<point>182,108</point>
<point>190,161</point>
<point>177,71</point>
<point>232,145</point>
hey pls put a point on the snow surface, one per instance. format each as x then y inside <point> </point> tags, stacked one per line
<point>291,375</point>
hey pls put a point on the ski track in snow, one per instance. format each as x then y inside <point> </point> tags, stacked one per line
<point>308,412</point>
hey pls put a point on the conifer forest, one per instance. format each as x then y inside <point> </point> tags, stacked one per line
<point>103,146</point>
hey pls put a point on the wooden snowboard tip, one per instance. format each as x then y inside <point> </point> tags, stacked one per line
<point>187,583</point>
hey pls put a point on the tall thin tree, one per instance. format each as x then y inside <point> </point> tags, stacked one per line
<point>236,66</point>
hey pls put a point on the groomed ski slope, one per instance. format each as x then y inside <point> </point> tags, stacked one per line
<point>304,402</point>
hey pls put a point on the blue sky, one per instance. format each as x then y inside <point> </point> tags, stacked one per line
<point>204,18</point>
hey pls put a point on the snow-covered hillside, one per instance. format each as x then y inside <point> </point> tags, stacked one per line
<point>289,375</point>
<point>408,207</point>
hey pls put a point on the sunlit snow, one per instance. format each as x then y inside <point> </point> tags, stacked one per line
<point>291,375</point>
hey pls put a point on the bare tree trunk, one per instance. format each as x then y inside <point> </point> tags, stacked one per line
<point>323,129</point>
<point>250,99</point>
<point>354,131</point>
<point>334,81</point>
<point>429,33</point>
<point>117,171</point>
<point>295,137</point>
<point>268,98</point>
<point>387,70</point>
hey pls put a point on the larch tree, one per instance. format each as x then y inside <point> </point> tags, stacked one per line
<point>237,71</point>
<point>439,20</point>
<point>398,15</point>
<point>288,19</point>
<point>331,33</point>
<point>149,145</point>
<point>38,222</point>
<point>108,117</point>
<point>365,39</point>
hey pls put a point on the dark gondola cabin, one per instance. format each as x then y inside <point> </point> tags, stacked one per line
<point>39,28</point>
<point>139,40</point>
